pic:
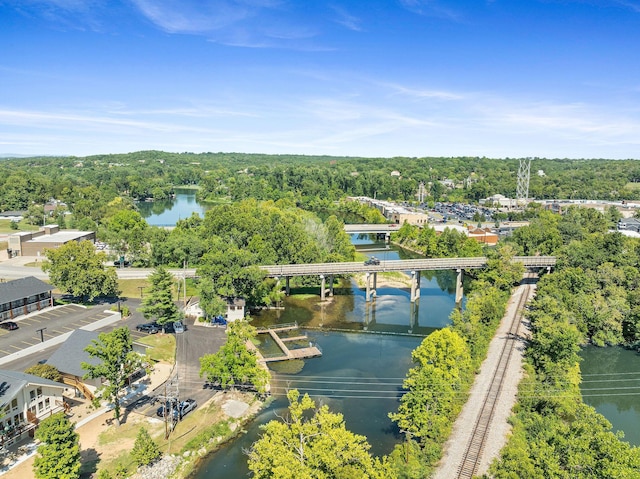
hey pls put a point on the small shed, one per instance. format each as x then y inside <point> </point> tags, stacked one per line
<point>235,308</point>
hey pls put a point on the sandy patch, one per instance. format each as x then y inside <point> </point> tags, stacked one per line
<point>234,408</point>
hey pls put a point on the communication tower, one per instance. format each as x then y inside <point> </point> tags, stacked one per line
<point>422,192</point>
<point>524,172</point>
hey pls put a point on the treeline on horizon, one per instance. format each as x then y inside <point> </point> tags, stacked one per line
<point>308,180</point>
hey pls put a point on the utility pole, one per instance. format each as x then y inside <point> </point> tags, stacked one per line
<point>170,400</point>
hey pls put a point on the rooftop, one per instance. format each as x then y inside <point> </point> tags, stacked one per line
<point>22,288</point>
<point>11,382</point>
<point>60,237</point>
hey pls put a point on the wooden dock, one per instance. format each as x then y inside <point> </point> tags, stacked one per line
<point>300,353</point>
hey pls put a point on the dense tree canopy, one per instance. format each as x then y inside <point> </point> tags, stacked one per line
<point>59,452</point>
<point>313,443</point>
<point>234,364</point>
<point>78,269</point>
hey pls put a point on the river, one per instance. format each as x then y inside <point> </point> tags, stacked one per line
<point>611,384</point>
<point>366,353</point>
<point>373,342</point>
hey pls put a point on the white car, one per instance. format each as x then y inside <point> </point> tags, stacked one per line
<point>178,327</point>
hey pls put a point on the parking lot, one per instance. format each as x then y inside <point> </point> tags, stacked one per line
<point>38,327</point>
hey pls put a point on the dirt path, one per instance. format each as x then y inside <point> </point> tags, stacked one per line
<point>499,430</point>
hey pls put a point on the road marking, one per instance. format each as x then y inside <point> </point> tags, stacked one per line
<point>68,329</point>
<point>83,321</point>
<point>15,347</point>
<point>30,344</point>
<point>4,352</point>
<point>58,332</point>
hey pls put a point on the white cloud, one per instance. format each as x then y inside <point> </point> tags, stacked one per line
<point>431,8</point>
<point>346,19</point>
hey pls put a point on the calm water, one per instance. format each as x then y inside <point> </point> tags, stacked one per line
<point>168,212</point>
<point>611,384</point>
<point>366,354</point>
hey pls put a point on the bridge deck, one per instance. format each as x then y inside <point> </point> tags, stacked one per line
<point>425,264</point>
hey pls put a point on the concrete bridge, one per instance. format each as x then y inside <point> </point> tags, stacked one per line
<point>378,229</point>
<point>413,265</point>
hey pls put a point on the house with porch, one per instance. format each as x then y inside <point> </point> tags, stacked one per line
<point>25,400</point>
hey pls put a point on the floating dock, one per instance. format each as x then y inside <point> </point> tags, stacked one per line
<point>299,353</point>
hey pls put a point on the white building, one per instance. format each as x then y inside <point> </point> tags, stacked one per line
<point>25,400</point>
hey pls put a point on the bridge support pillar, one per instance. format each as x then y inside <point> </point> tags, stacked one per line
<point>331,285</point>
<point>374,290</point>
<point>413,315</point>
<point>287,289</point>
<point>367,282</point>
<point>459,288</point>
<point>415,285</point>
<point>323,285</point>
<point>387,238</point>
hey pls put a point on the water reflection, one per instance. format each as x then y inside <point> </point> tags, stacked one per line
<point>611,384</point>
<point>169,211</point>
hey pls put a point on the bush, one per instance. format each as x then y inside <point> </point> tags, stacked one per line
<point>45,371</point>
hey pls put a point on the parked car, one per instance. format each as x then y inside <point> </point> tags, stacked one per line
<point>219,321</point>
<point>167,327</point>
<point>150,328</point>
<point>9,325</point>
<point>184,408</point>
<point>178,327</point>
<point>166,406</point>
<point>121,263</point>
<point>372,261</point>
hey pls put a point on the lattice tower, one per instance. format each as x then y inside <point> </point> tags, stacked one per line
<point>524,172</point>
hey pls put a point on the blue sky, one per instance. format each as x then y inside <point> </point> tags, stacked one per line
<point>496,78</point>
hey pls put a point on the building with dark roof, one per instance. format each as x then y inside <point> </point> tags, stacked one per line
<point>25,400</point>
<point>68,359</point>
<point>23,296</point>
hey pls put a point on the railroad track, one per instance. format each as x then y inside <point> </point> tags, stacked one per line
<point>475,447</point>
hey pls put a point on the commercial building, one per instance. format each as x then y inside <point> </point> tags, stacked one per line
<point>33,243</point>
<point>23,296</point>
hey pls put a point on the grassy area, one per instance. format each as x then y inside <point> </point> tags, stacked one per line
<point>131,287</point>
<point>632,186</point>
<point>135,288</point>
<point>162,347</point>
<point>5,227</point>
<point>205,428</point>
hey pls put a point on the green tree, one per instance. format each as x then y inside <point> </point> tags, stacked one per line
<point>313,446</point>
<point>127,233</point>
<point>45,371</point>
<point>435,386</point>
<point>117,362</point>
<point>59,454</point>
<point>78,269</point>
<point>234,364</point>
<point>158,299</point>
<point>145,450</point>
